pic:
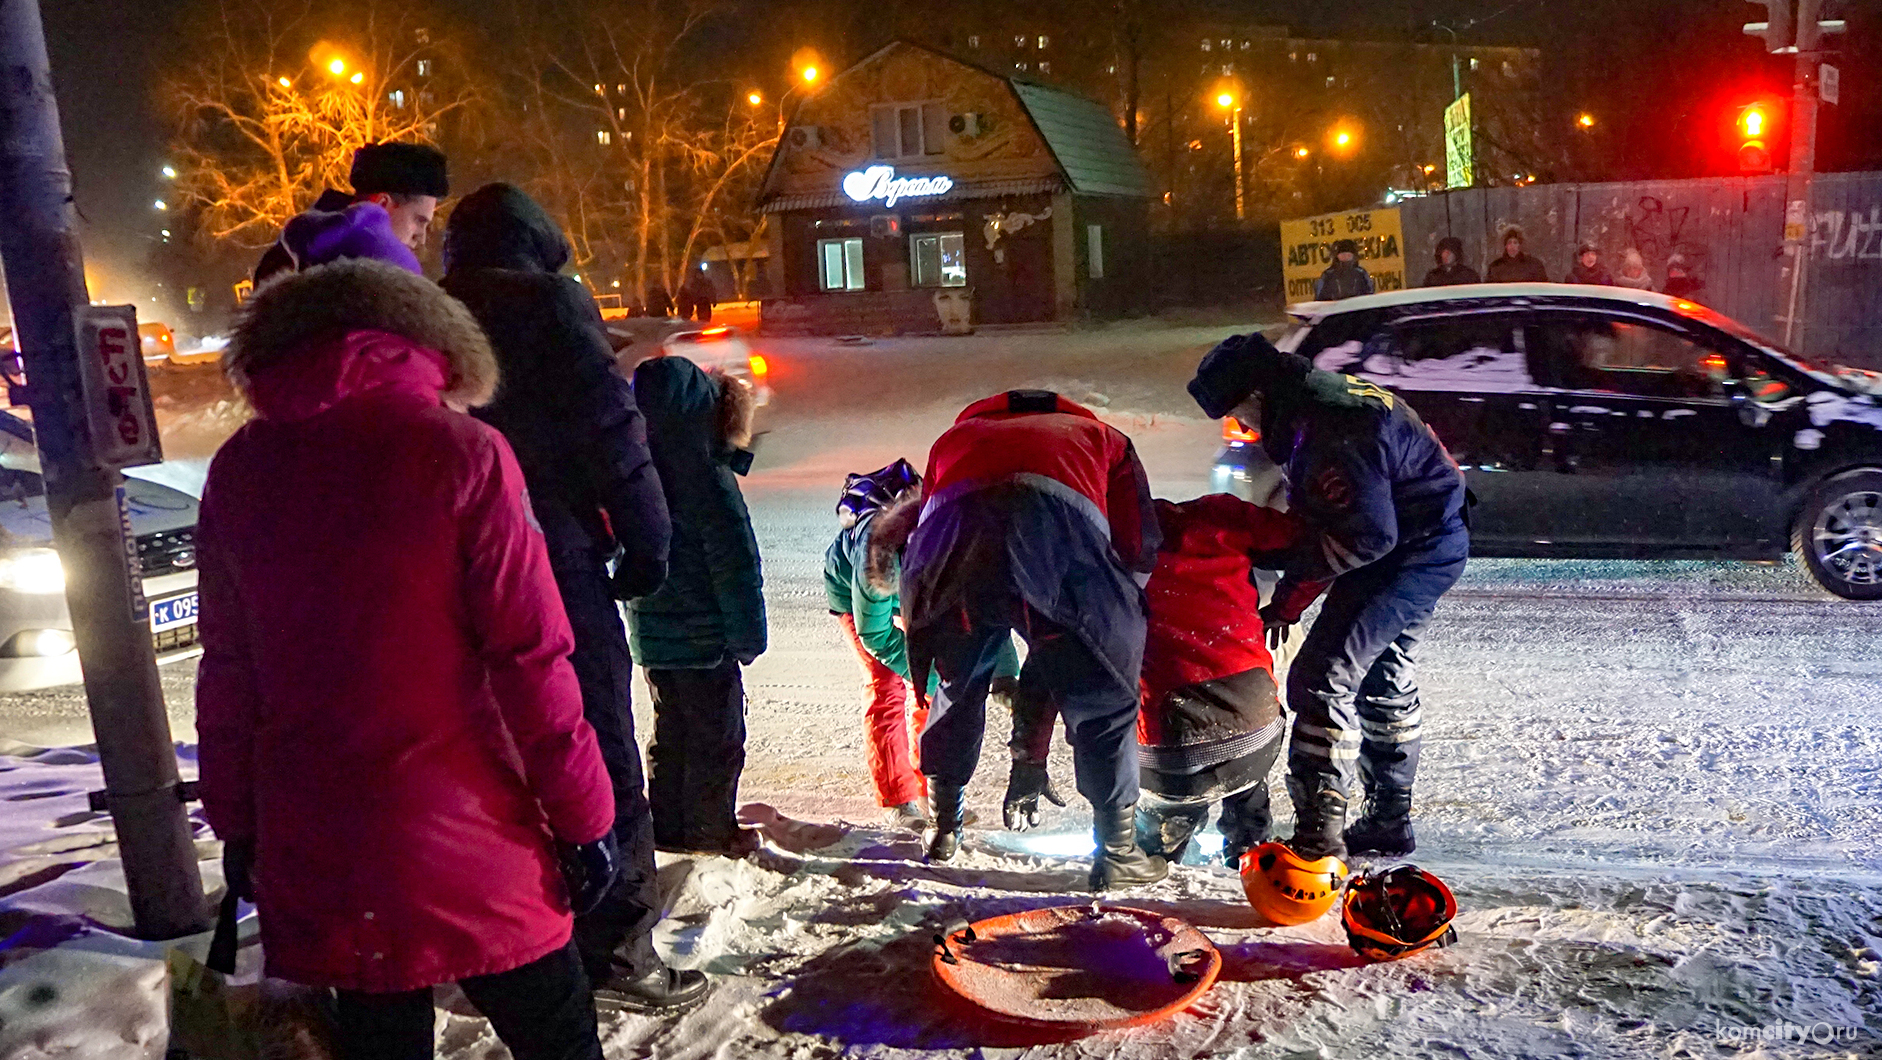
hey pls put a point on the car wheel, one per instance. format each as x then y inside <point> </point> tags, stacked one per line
<point>1838,535</point>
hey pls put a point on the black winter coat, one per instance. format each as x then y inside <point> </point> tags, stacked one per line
<point>1460,273</point>
<point>571,418</point>
<point>712,607</point>
<point>1520,269</point>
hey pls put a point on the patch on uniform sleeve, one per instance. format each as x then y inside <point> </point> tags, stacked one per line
<point>1334,488</point>
<point>529,512</point>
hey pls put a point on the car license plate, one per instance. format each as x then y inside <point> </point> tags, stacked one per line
<point>173,612</point>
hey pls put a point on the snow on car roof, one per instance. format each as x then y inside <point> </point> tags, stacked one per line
<point>1314,312</point>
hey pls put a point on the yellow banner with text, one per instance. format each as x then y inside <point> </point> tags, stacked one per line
<point>1307,248</point>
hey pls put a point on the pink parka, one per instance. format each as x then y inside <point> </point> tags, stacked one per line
<point>385,703</point>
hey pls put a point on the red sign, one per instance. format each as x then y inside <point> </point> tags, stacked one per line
<point>123,425</point>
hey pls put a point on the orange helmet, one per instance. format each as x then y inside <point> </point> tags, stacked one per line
<point>1398,912</point>
<point>1286,889</point>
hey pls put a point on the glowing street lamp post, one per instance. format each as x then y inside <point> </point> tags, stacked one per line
<point>1229,102</point>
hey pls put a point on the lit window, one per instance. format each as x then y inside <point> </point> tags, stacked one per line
<point>604,137</point>
<point>1509,69</point>
<point>1111,69</point>
<point>1043,41</point>
<point>1329,82</point>
<point>1313,57</point>
<point>1246,44</point>
<point>938,259</point>
<point>424,67</point>
<point>423,35</point>
<point>1473,63</point>
<point>398,98</point>
<point>910,130</point>
<point>620,113</point>
<point>973,42</point>
<point>1019,42</point>
<point>620,90</point>
<point>1045,67</point>
<point>840,264</point>
<point>1227,44</point>
<point>1293,57</point>
<point>1206,45</point>
<point>1228,69</point>
<point>1019,66</point>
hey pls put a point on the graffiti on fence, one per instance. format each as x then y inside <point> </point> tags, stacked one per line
<point>1847,236</point>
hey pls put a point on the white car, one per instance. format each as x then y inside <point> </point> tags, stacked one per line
<point>709,346</point>
<point>37,649</point>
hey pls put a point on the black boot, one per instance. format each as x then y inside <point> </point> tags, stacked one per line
<point>944,836</point>
<point>662,990</point>
<point>1319,817</point>
<point>1118,862</point>
<point>1385,829</point>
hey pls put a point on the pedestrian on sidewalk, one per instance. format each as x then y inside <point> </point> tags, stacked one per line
<point>582,445</point>
<point>862,572</point>
<point>708,620</point>
<point>1038,521</point>
<point>406,180</point>
<point>1588,268</point>
<point>1516,265</point>
<point>392,744</point>
<point>1450,269</point>
<point>1210,729</point>
<point>1345,278</point>
<point>1384,507</point>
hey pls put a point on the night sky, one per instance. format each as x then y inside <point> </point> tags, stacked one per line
<point>1659,68</point>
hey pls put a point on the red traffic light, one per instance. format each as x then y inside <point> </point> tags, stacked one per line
<point>1750,129</point>
<point>1752,121</point>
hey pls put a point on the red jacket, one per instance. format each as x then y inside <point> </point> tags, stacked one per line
<point>1204,623</point>
<point>385,703</point>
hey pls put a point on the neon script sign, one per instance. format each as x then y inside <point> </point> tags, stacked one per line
<point>880,182</point>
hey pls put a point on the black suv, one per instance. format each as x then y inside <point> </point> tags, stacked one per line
<point>1601,422</point>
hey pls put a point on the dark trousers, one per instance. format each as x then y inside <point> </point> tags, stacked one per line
<point>697,753</point>
<point>542,1011</point>
<point>1165,827</point>
<point>1353,687</point>
<point>617,937</point>
<point>1100,714</point>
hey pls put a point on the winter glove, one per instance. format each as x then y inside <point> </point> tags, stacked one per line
<point>635,577</point>
<point>589,870</point>
<point>1029,780</point>
<point>238,863</point>
<point>1280,626</point>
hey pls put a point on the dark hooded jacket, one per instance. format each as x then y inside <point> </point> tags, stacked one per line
<point>1369,479</point>
<point>568,414</point>
<point>1523,268</point>
<point>1442,275</point>
<point>712,607</point>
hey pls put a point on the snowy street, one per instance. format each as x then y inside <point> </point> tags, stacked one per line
<point>1656,789</point>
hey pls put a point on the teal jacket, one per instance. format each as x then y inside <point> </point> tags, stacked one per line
<point>849,591</point>
<point>711,608</point>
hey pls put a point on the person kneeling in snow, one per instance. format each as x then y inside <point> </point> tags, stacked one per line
<point>862,573</point>
<point>708,619</point>
<point>392,742</point>
<point>1210,726</point>
<point>1038,521</point>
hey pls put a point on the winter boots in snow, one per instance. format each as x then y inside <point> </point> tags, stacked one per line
<point>661,991</point>
<point>1385,829</point>
<point>1118,862</point>
<point>908,817</point>
<point>1319,819</point>
<point>944,836</point>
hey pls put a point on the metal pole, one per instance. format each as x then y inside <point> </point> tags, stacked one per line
<point>45,276</point>
<point>1236,121</point>
<point>1803,160</point>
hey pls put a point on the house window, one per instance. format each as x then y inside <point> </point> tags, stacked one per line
<point>423,35</point>
<point>424,67</point>
<point>1245,45</point>
<point>938,259</point>
<point>620,113</point>
<point>1019,66</point>
<point>1473,64</point>
<point>1206,45</point>
<point>1045,67</point>
<point>974,41</point>
<point>1019,42</point>
<point>398,98</point>
<point>1043,41</point>
<point>1313,57</point>
<point>1094,251</point>
<point>909,130</point>
<point>603,137</point>
<point>840,264</point>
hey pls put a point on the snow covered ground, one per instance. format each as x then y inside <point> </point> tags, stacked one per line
<point>1654,788</point>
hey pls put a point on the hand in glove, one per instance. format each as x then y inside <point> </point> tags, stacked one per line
<point>637,577</point>
<point>1280,626</point>
<point>1020,810</point>
<point>589,870</point>
<point>238,865</point>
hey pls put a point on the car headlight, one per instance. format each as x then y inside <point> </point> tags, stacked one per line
<point>32,570</point>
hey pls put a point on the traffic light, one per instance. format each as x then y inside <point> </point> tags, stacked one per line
<point>1776,27</point>
<point>1812,27</point>
<point>1755,125</point>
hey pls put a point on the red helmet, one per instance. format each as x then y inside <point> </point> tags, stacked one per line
<point>1397,913</point>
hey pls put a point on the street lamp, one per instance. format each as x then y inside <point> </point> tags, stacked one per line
<point>1343,139</point>
<point>1585,120</point>
<point>1228,101</point>
<point>358,77</point>
<point>337,67</point>
<point>754,99</point>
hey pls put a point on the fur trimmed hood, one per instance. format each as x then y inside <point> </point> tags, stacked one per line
<point>888,534</point>
<point>299,312</point>
<point>738,407</point>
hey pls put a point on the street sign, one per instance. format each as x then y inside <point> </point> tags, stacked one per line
<point>1829,83</point>
<point>118,412</point>
<point>1307,248</point>
<point>1459,162</point>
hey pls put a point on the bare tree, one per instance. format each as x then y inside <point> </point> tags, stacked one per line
<point>281,93</point>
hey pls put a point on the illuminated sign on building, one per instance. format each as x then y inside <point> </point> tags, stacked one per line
<point>880,182</point>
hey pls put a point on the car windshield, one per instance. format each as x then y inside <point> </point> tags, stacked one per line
<point>1823,371</point>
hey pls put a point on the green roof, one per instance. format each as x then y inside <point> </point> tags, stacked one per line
<point>1091,147</point>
